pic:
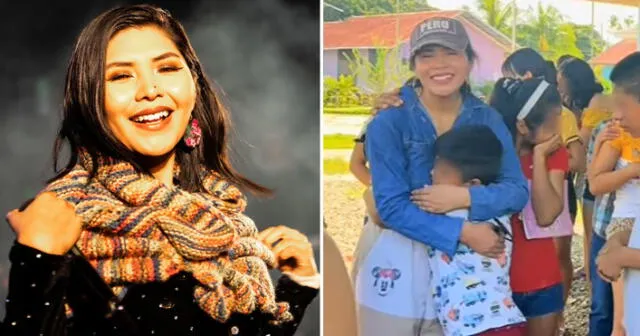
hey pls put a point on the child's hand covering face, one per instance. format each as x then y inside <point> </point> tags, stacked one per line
<point>549,146</point>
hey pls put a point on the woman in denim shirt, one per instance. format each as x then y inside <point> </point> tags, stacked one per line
<point>399,148</point>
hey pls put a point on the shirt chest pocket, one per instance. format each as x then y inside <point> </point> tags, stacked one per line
<point>419,155</point>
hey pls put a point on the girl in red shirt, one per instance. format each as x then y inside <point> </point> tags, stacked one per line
<point>531,110</point>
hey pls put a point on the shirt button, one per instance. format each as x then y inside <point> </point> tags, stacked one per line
<point>235,330</point>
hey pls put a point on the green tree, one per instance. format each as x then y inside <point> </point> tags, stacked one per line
<point>589,41</point>
<point>629,22</point>
<point>386,72</point>
<point>341,91</point>
<point>496,13</point>
<point>616,24</point>
<point>545,30</point>
<point>371,7</point>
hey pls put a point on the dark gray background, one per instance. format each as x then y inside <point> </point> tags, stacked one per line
<point>263,53</point>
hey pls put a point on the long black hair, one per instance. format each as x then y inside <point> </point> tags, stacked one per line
<point>84,119</point>
<point>528,60</point>
<point>510,95</point>
<point>581,83</point>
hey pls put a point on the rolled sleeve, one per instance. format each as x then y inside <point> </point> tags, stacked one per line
<point>392,190</point>
<point>510,193</point>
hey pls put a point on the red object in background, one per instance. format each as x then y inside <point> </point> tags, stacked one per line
<point>512,330</point>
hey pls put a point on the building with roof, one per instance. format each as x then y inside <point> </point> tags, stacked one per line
<point>370,33</point>
<point>615,53</point>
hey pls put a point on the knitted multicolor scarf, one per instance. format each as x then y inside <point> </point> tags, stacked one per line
<point>138,230</point>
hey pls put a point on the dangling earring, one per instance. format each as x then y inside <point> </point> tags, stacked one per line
<point>193,135</point>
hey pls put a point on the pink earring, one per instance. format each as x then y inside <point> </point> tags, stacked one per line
<point>193,135</point>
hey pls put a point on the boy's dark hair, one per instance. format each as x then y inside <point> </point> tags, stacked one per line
<point>510,95</point>
<point>473,149</point>
<point>626,75</point>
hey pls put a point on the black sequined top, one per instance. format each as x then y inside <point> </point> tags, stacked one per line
<point>40,284</point>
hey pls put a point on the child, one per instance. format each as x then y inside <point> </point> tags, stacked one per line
<point>584,96</point>
<point>527,63</point>
<point>601,316</point>
<point>532,109</point>
<point>616,167</point>
<point>472,293</point>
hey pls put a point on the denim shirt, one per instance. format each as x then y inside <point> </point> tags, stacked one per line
<point>400,150</point>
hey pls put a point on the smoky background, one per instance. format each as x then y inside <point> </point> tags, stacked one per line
<point>263,54</point>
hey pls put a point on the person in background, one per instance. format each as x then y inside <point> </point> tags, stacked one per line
<point>527,63</point>
<point>616,167</point>
<point>339,306</point>
<point>358,163</point>
<point>564,58</point>
<point>532,109</point>
<point>584,96</point>
<point>601,315</point>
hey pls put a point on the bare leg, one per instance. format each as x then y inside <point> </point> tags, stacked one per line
<point>587,223</point>
<point>563,250</point>
<point>618,306</point>
<point>546,325</point>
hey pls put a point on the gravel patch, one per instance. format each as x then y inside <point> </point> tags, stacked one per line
<point>344,210</point>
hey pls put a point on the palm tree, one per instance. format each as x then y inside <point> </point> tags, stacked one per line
<point>629,22</point>
<point>546,31</point>
<point>497,13</point>
<point>614,23</point>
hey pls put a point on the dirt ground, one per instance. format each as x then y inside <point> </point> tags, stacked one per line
<point>343,213</point>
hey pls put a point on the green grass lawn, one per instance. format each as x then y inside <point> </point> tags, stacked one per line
<point>337,141</point>
<point>357,110</point>
<point>335,166</point>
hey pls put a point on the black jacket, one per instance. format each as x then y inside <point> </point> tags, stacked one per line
<point>40,284</point>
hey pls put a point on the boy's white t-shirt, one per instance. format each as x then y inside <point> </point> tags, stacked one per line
<point>627,205</point>
<point>401,277</point>
<point>472,293</point>
<point>632,288</point>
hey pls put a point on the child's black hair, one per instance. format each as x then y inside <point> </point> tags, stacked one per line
<point>626,75</point>
<point>473,149</point>
<point>564,58</point>
<point>528,60</point>
<point>551,73</point>
<point>581,82</point>
<point>510,95</point>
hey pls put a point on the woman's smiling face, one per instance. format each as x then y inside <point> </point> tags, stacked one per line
<point>442,71</point>
<point>149,90</point>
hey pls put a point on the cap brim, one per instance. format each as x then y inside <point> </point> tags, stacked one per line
<point>439,42</point>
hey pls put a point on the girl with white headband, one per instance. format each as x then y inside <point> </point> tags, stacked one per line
<point>531,109</point>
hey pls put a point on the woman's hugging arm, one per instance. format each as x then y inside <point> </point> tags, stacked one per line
<point>510,193</point>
